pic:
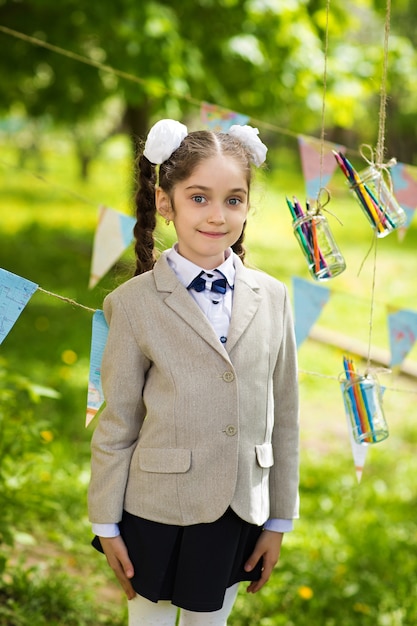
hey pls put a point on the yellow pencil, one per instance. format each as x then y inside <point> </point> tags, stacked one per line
<point>368,201</point>
<point>360,405</point>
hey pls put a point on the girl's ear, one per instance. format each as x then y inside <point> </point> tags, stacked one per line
<point>163,204</point>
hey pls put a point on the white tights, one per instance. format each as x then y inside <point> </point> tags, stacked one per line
<point>143,612</point>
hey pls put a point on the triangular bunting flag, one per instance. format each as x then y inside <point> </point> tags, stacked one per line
<point>317,170</point>
<point>402,327</point>
<point>114,233</point>
<point>98,341</point>
<point>219,119</point>
<point>309,300</point>
<point>15,293</point>
<point>404,183</point>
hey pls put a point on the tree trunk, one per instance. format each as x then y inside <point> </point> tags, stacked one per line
<point>85,161</point>
<point>136,124</point>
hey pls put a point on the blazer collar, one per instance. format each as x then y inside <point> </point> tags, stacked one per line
<point>246,300</point>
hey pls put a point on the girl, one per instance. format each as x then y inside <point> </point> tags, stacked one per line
<point>195,456</point>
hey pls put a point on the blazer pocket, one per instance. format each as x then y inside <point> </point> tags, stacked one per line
<point>164,460</point>
<point>264,454</point>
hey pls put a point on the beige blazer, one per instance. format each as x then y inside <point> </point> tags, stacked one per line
<point>192,426</point>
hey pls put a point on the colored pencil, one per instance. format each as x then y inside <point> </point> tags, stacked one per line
<point>367,199</point>
<point>360,408</point>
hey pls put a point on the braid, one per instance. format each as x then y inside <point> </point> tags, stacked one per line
<point>194,149</point>
<point>238,247</point>
<point>145,217</point>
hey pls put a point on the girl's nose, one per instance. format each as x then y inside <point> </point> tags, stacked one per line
<point>216,214</point>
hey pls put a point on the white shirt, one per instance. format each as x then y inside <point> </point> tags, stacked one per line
<point>218,309</point>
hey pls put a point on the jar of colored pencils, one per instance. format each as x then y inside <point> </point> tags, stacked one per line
<point>316,241</point>
<point>378,202</point>
<point>363,401</point>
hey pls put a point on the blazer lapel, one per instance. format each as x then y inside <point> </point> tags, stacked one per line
<point>180,301</point>
<point>246,301</point>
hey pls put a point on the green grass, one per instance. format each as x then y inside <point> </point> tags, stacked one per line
<point>351,559</point>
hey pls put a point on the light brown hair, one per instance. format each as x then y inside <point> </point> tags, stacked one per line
<point>195,148</point>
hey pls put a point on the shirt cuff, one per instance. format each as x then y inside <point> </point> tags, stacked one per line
<point>106,530</point>
<point>279,525</point>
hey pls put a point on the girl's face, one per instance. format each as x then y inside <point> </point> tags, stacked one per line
<point>208,210</point>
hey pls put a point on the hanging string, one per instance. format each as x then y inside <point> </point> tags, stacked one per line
<point>371,311</point>
<point>144,82</point>
<point>72,193</point>
<point>323,108</point>
<point>86,60</point>
<point>301,371</point>
<point>67,300</point>
<point>337,379</point>
<point>380,149</point>
<point>130,77</point>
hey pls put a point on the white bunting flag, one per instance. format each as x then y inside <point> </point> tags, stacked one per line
<point>114,233</point>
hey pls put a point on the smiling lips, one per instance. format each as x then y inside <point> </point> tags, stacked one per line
<point>214,235</point>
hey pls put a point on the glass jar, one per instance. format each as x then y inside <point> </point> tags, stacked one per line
<point>378,202</point>
<point>363,401</point>
<point>316,241</point>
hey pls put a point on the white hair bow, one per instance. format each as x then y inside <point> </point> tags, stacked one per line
<point>163,139</point>
<point>166,136</point>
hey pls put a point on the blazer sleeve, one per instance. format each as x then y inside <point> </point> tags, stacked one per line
<point>284,476</point>
<point>124,370</point>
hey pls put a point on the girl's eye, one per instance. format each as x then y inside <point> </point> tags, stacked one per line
<point>234,201</point>
<point>198,199</point>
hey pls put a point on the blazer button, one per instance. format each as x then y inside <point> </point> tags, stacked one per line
<point>228,377</point>
<point>230,430</point>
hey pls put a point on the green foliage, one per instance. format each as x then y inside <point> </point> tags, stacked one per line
<point>28,598</point>
<point>42,498</point>
<point>44,447</point>
<point>266,59</point>
<point>22,440</point>
<point>352,556</point>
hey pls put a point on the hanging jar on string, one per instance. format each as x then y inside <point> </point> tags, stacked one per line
<point>312,231</point>
<point>373,190</point>
<point>362,397</point>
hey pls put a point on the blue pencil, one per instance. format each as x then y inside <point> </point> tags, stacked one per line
<point>352,396</point>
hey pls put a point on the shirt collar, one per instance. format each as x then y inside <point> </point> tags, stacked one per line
<point>186,271</point>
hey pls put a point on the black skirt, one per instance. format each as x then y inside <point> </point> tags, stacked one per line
<point>192,566</point>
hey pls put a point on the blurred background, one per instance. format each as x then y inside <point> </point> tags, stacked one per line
<point>81,83</point>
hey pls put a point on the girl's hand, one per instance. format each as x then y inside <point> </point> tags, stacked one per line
<point>268,547</point>
<point>118,559</point>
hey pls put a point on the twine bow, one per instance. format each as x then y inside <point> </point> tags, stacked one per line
<point>323,199</point>
<point>383,168</point>
<point>373,371</point>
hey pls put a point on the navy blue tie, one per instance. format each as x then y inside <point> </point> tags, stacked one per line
<point>199,284</point>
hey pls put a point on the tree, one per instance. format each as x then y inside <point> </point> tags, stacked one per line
<point>242,55</point>
<point>264,58</point>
